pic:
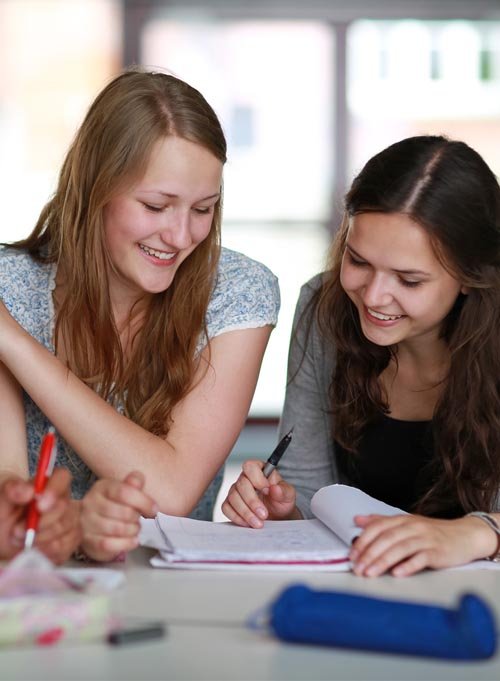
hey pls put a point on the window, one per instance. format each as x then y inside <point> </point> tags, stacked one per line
<point>55,57</point>
<point>423,77</point>
<point>271,84</point>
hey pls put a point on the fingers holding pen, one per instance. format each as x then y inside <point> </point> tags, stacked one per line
<point>15,492</point>
<point>278,496</point>
<point>244,504</point>
<point>58,488</point>
<point>15,495</point>
<point>60,538</point>
<point>253,498</point>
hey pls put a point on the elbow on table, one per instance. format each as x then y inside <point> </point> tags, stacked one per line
<point>178,507</point>
<point>180,503</point>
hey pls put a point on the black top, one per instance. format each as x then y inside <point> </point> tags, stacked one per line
<point>393,463</point>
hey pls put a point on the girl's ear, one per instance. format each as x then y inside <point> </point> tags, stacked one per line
<point>465,290</point>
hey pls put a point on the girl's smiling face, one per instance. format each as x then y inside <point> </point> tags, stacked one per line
<point>391,273</point>
<point>153,226</point>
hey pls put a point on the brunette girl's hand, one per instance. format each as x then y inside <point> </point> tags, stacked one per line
<point>405,544</point>
<point>254,498</point>
<point>58,533</point>
<point>110,516</point>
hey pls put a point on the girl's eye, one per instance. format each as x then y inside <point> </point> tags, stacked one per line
<point>410,284</point>
<point>355,262</point>
<point>153,209</point>
<point>203,211</point>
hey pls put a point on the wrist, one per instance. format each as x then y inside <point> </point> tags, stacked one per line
<point>487,534</point>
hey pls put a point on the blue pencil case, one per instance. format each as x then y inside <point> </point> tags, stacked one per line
<point>346,620</point>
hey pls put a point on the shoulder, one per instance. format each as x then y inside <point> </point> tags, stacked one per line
<point>24,287</point>
<point>11,259</point>
<point>309,291</point>
<point>18,269</point>
<point>246,295</point>
<point>237,270</point>
<point>307,337</point>
<point>305,310</point>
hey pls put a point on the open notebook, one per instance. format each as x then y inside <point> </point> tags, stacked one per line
<point>319,544</point>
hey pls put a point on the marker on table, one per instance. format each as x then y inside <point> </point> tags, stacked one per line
<point>46,460</point>
<point>275,457</point>
<point>135,633</point>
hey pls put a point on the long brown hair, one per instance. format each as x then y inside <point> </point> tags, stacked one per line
<point>447,188</point>
<point>111,150</point>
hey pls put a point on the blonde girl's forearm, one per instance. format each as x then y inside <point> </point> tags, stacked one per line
<point>177,469</point>
<point>13,445</point>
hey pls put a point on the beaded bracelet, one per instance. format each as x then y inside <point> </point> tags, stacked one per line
<point>491,522</point>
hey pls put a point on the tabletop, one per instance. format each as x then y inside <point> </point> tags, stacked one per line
<point>206,614</point>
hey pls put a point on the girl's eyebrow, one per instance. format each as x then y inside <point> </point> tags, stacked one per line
<point>176,196</point>
<point>409,272</point>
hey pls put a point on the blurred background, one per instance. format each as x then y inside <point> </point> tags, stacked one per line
<point>306,93</point>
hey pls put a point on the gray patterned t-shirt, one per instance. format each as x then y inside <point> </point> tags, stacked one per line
<point>246,295</point>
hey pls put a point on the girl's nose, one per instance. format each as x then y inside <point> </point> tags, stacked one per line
<point>177,231</point>
<point>376,292</point>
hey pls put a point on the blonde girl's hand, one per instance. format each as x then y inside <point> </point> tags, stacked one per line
<point>406,544</point>
<point>59,529</point>
<point>58,532</point>
<point>254,498</point>
<point>15,495</point>
<point>110,516</point>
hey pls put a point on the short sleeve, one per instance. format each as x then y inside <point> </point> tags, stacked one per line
<point>246,295</point>
<point>26,289</point>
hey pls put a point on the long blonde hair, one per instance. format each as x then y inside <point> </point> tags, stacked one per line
<point>110,151</point>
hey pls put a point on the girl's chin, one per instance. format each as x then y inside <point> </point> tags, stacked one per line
<point>379,337</point>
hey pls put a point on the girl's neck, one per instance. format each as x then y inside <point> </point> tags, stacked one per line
<point>414,380</point>
<point>427,361</point>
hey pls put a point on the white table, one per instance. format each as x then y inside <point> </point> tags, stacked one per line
<point>207,637</point>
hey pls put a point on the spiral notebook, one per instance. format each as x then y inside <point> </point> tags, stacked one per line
<point>320,544</point>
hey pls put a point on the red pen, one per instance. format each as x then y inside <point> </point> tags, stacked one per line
<point>46,460</point>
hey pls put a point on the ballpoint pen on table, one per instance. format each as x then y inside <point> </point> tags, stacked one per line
<point>275,457</point>
<point>46,460</point>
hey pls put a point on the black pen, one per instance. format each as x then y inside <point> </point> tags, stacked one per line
<point>136,632</point>
<point>275,457</point>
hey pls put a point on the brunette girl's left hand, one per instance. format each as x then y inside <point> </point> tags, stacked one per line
<point>405,544</point>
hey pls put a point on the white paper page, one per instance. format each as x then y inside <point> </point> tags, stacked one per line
<point>150,534</point>
<point>336,506</point>
<point>294,540</point>
<point>160,562</point>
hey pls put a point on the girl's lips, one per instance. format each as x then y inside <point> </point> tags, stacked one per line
<point>158,262</point>
<point>381,322</point>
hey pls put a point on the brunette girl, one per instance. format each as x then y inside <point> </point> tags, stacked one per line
<point>394,366</point>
